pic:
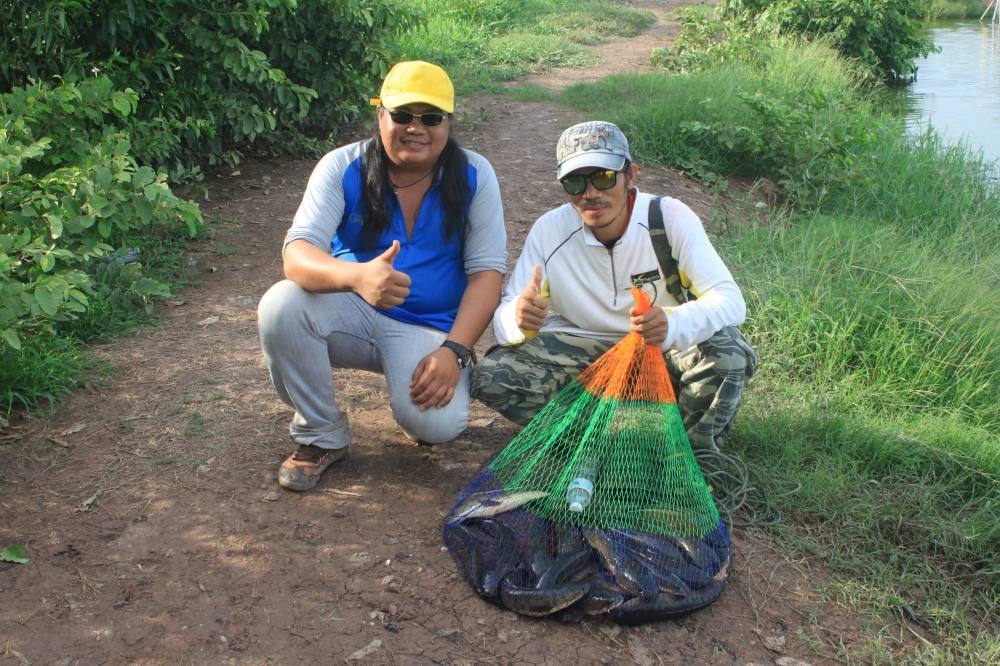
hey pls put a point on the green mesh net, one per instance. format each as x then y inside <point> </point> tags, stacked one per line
<point>598,505</point>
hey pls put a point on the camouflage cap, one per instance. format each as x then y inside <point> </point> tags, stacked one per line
<point>591,144</point>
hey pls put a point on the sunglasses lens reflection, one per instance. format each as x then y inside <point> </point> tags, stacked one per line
<point>601,180</point>
<point>429,119</point>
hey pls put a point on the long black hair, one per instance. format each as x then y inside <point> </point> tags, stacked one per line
<point>455,191</point>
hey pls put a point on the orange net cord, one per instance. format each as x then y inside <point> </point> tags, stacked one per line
<point>632,369</point>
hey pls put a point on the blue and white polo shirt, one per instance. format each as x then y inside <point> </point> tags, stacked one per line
<point>332,213</point>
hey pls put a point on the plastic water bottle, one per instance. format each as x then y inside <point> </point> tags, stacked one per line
<point>581,488</point>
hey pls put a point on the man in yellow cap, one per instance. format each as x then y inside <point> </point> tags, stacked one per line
<point>394,263</point>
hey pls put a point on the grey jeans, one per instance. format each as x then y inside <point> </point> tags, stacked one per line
<point>304,335</point>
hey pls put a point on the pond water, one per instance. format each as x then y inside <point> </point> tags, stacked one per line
<point>957,90</point>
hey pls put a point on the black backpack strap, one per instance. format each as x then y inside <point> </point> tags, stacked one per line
<point>668,265</point>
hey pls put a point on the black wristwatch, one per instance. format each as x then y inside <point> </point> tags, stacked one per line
<point>466,356</point>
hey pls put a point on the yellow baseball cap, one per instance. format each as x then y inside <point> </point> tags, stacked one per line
<point>416,81</point>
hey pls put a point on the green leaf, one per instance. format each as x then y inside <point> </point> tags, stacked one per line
<point>143,176</point>
<point>48,299</point>
<point>150,287</point>
<point>122,104</point>
<point>47,262</point>
<point>10,337</point>
<point>16,554</point>
<point>55,225</point>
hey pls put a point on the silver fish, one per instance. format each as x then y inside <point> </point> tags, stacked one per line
<point>483,505</point>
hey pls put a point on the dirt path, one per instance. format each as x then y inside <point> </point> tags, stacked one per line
<point>157,533</point>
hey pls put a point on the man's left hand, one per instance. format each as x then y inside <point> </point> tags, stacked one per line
<point>434,379</point>
<point>651,325</point>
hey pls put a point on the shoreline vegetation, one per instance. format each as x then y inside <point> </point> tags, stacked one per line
<point>952,9</point>
<point>870,280</point>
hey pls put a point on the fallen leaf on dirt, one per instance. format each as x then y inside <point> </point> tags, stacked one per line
<point>790,661</point>
<point>86,504</point>
<point>612,631</point>
<point>176,303</point>
<point>772,643</point>
<point>388,579</point>
<point>775,643</point>
<point>59,442</point>
<point>334,491</point>
<point>640,653</point>
<point>73,429</point>
<point>207,320</point>
<point>358,655</point>
<point>21,658</point>
<point>15,554</point>
<point>481,422</point>
<point>360,558</point>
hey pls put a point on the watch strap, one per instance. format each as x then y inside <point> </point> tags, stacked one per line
<point>466,356</point>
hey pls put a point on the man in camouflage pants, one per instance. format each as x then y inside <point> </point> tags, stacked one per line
<point>568,299</point>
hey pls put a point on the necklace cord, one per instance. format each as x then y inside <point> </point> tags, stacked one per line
<point>396,187</point>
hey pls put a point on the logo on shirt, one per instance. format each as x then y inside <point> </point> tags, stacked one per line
<point>639,279</point>
<point>647,282</point>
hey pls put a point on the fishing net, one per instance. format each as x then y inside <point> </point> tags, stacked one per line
<point>598,506</point>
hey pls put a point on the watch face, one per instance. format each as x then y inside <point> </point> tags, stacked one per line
<point>463,353</point>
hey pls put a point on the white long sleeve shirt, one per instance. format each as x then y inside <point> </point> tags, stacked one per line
<point>590,284</point>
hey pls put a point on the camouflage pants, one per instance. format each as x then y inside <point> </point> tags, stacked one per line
<point>708,379</point>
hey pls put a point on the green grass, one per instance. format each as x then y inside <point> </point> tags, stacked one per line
<point>484,42</point>
<point>902,323</point>
<point>52,365</point>
<point>45,369</point>
<point>773,112</point>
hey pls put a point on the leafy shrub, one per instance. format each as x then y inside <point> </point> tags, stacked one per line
<point>72,192</point>
<point>884,35</point>
<point>211,76</point>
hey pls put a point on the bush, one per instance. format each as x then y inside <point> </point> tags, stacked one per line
<point>72,193</point>
<point>883,35</point>
<point>211,77</point>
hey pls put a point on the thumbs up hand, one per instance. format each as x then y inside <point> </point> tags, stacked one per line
<point>380,284</point>
<point>533,304</point>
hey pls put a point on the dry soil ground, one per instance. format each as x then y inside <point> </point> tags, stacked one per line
<point>157,533</point>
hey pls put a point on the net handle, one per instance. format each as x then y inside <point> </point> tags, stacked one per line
<point>642,300</point>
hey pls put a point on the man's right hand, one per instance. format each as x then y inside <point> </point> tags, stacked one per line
<point>380,284</point>
<point>532,304</point>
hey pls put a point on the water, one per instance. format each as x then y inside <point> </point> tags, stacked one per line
<point>957,90</point>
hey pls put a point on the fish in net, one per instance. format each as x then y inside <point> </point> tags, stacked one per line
<point>598,506</point>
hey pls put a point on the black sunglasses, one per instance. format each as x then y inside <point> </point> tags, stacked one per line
<point>601,180</point>
<point>429,118</point>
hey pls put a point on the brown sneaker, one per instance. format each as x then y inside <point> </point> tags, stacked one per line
<point>302,469</point>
